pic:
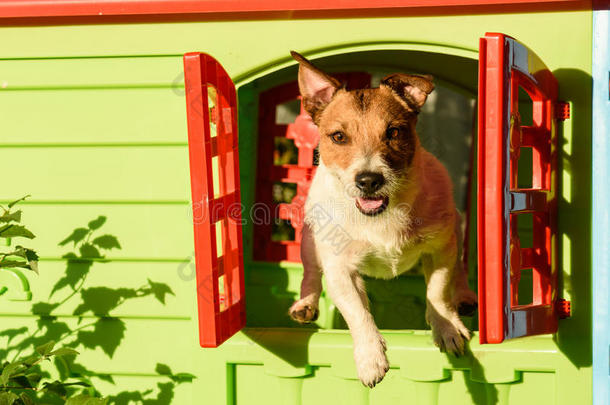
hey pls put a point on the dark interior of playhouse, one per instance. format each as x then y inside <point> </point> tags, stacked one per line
<point>274,170</point>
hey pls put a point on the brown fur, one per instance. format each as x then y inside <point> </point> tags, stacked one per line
<point>364,116</point>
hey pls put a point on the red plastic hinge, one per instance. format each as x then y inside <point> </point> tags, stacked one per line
<point>562,110</point>
<point>564,308</point>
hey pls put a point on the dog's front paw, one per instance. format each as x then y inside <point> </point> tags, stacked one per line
<point>450,336</point>
<point>303,312</point>
<point>371,361</point>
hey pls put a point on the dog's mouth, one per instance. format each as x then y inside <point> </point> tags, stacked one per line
<point>372,206</point>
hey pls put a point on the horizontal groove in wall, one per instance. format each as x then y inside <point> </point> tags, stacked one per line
<point>94,145</point>
<point>146,375</point>
<point>179,86</point>
<point>130,317</point>
<point>99,202</point>
<point>98,57</point>
<point>121,260</point>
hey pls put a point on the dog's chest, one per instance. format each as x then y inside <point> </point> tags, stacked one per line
<point>386,265</point>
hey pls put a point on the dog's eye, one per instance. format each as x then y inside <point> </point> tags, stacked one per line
<point>392,133</point>
<point>338,137</point>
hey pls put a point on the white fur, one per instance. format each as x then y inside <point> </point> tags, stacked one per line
<point>386,232</point>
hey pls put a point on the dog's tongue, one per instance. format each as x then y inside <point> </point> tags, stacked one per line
<point>368,204</point>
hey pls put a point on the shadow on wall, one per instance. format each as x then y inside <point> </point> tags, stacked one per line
<point>574,237</point>
<point>95,328</point>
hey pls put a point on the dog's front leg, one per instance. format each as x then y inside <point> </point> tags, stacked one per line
<point>305,310</point>
<point>464,299</point>
<point>346,289</point>
<point>448,331</point>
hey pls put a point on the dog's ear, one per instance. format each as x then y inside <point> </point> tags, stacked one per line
<point>414,89</point>
<point>316,87</point>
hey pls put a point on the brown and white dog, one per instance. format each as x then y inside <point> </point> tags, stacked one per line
<point>390,203</point>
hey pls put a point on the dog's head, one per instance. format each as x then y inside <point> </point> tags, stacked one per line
<point>367,136</point>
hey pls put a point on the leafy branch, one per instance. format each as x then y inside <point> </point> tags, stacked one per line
<point>10,228</point>
<point>23,376</point>
<point>73,383</point>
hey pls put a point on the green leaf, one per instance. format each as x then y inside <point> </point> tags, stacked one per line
<point>30,255</point>
<point>11,216</point>
<point>107,242</point>
<point>56,387</point>
<point>64,351</point>
<point>34,266</point>
<point>14,263</point>
<point>160,290</point>
<point>84,399</point>
<point>8,371</point>
<point>33,379</point>
<point>46,348</point>
<point>30,360</point>
<point>13,231</point>
<point>67,367</point>
<point>10,205</point>
<point>8,398</point>
<point>80,383</point>
<point>25,399</point>
<point>88,251</point>
<point>76,236</point>
<point>21,381</point>
<point>97,223</point>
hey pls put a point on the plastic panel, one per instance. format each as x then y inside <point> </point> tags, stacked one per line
<point>212,135</point>
<point>505,65</point>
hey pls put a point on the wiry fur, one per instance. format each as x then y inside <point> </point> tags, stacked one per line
<point>420,221</point>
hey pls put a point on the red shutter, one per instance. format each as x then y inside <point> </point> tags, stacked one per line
<point>211,107</point>
<point>505,65</point>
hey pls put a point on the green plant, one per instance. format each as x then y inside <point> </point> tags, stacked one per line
<point>49,376</point>
<point>10,228</point>
<point>20,380</point>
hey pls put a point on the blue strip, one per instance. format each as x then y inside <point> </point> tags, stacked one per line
<point>601,208</point>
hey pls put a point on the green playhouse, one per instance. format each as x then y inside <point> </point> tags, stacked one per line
<point>93,115</point>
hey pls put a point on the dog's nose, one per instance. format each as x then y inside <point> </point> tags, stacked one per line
<point>369,182</point>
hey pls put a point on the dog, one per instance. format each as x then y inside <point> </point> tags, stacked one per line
<point>391,200</point>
